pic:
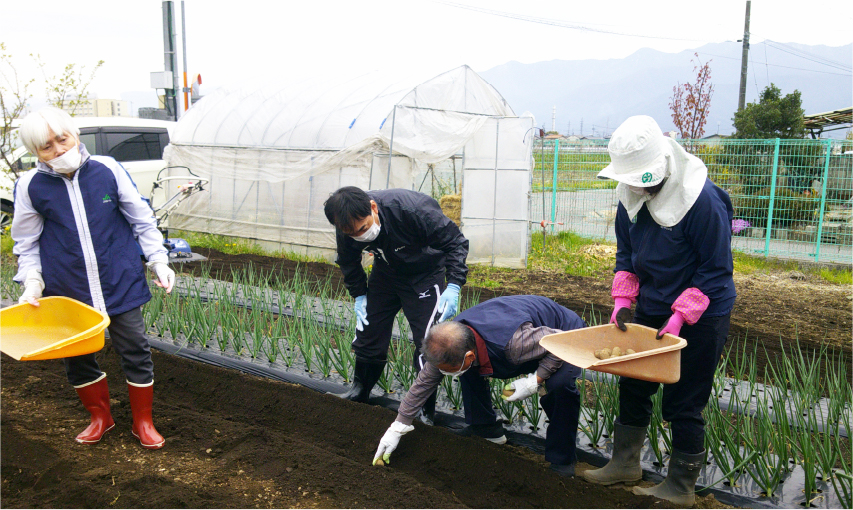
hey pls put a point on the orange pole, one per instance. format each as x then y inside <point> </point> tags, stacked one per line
<point>186,94</point>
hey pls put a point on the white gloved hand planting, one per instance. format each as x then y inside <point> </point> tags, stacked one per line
<point>390,440</point>
<point>524,388</point>
<point>33,287</point>
<point>165,275</point>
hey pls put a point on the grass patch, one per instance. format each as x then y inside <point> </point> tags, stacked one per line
<point>239,246</point>
<point>749,264</point>
<point>480,275</point>
<point>839,276</point>
<point>6,245</point>
<point>572,254</point>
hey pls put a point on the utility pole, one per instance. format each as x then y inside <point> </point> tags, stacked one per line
<point>171,59</point>
<point>741,102</point>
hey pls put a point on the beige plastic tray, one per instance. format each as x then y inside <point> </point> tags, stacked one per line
<point>654,360</point>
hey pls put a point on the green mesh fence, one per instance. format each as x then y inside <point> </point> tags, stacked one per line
<point>792,198</point>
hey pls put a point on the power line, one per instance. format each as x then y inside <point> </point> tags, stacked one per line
<point>755,80</point>
<point>766,67</point>
<point>555,23</point>
<point>776,65</point>
<point>808,56</point>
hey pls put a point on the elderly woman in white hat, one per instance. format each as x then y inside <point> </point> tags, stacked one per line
<point>79,228</point>
<point>674,260</point>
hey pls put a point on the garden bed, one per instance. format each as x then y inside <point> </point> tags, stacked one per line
<point>238,441</point>
<point>773,311</point>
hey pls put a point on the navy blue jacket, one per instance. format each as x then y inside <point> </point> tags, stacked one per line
<point>496,320</point>
<point>81,234</point>
<point>696,252</point>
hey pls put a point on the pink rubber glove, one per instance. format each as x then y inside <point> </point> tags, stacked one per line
<point>626,288</point>
<point>671,326</point>
<point>621,312</point>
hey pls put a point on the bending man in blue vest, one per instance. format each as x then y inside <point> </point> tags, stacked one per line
<point>499,338</point>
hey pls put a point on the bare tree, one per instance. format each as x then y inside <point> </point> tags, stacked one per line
<point>14,95</point>
<point>69,89</point>
<point>691,102</point>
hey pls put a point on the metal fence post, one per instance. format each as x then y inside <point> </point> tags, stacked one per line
<point>495,189</point>
<point>819,239</point>
<point>772,199</point>
<point>554,185</point>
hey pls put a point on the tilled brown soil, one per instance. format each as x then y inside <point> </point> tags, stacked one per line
<point>237,441</point>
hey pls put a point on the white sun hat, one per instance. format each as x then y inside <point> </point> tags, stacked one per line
<point>638,153</point>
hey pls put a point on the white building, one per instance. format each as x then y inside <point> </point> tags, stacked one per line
<point>94,107</point>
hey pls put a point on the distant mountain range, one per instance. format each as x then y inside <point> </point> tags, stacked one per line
<point>603,93</point>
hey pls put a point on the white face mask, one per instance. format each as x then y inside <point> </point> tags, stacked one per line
<point>68,162</point>
<point>371,234</point>
<point>458,372</point>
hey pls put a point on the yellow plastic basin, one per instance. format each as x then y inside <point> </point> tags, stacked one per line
<point>59,328</point>
<point>654,360</point>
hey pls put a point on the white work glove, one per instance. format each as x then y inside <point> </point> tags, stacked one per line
<point>33,287</point>
<point>361,312</point>
<point>390,440</point>
<point>165,275</point>
<point>524,388</point>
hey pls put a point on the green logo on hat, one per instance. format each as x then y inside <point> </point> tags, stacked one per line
<point>647,177</point>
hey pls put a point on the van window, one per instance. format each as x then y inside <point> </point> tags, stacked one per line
<point>134,146</point>
<point>89,140</point>
<point>25,162</point>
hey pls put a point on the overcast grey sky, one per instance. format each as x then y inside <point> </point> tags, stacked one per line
<point>240,41</point>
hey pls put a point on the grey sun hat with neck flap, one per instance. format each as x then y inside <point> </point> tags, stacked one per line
<point>638,153</point>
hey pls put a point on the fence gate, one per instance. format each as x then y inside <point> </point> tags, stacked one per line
<point>496,190</point>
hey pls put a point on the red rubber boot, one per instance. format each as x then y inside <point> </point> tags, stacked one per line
<point>141,399</point>
<point>96,399</point>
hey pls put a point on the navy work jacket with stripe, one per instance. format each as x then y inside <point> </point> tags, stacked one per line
<point>82,234</point>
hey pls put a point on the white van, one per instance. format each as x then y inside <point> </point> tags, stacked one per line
<point>137,144</point>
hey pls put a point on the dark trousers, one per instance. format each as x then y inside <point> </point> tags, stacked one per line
<point>386,295</point>
<point>561,404</point>
<point>127,334</point>
<point>683,401</point>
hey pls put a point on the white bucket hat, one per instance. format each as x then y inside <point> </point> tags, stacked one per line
<point>638,153</point>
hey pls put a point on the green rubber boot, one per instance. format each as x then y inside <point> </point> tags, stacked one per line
<point>680,482</point>
<point>624,466</point>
